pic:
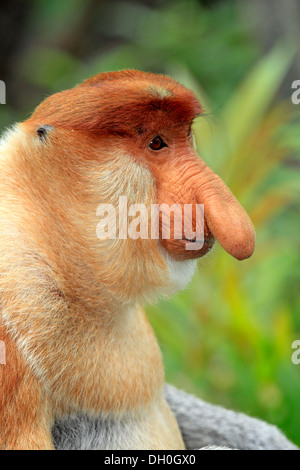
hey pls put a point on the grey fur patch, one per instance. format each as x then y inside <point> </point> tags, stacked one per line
<point>203,426</point>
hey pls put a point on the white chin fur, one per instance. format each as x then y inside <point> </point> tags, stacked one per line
<point>180,273</point>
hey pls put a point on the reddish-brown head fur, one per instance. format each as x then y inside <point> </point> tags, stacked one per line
<point>124,102</point>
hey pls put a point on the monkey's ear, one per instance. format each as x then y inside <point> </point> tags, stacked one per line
<point>43,131</point>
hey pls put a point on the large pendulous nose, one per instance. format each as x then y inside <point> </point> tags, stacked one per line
<point>225,217</point>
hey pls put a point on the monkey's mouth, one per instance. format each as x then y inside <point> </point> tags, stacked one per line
<point>202,247</point>
<point>190,247</point>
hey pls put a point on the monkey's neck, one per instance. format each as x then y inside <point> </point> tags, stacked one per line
<point>98,361</point>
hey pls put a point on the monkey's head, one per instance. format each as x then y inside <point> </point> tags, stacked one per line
<point>128,134</point>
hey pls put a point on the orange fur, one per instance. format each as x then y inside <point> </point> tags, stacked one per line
<point>20,390</point>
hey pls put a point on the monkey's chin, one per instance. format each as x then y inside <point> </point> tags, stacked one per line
<point>180,273</point>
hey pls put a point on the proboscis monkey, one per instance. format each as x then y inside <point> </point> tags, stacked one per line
<point>72,317</point>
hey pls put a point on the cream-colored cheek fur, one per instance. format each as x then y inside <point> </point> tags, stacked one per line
<point>145,268</point>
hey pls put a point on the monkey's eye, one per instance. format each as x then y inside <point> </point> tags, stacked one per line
<point>157,143</point>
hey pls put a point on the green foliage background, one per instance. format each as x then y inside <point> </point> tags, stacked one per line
<point>228,337</point>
